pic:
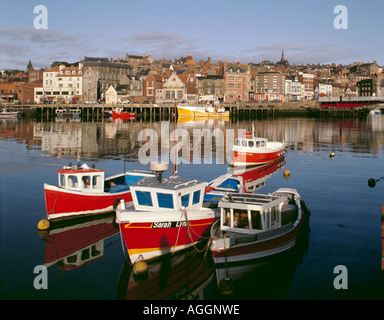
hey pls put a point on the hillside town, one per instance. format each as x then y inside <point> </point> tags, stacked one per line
<point>142,79</point>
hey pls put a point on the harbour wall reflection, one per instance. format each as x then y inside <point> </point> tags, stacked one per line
<point>81,139</point>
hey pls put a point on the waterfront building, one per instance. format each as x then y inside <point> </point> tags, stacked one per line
<point>307,83</point>
<point>269,86</point>
<point>237,83</point>
<point>17,92</point>
<point>109,72</point>
<point>211,88</point>
<point>152,83</point>
<point>292,88</point>
<point>180,87</point>
<point>61,84</point>
<point>370,87</point>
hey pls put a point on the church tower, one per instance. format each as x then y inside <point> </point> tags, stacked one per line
<point>30,66</point>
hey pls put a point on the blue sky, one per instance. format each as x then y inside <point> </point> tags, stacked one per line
<point>242,30</point>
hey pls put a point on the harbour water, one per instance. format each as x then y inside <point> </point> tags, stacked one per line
<point>85,258</point>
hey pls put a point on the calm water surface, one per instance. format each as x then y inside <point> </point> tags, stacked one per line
<point>85,259</point>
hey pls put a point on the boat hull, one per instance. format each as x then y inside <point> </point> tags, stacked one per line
<point>10,115</point>
<point>199,112</point>
<point>248,258</point>
<point>245,257</point>
<point>149,240</point>
<point>61,203</point>
<point>244,158</point>
<point>123,115</point>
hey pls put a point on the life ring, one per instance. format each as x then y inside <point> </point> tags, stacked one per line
<point>116,203</point>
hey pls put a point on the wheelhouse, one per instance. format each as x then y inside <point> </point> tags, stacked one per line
<point>251,143</point>
<point>250,213</point>
<point>82,179</point>
<point>172,194</point>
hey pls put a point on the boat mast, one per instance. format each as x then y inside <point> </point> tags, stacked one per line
<point>174,128</point>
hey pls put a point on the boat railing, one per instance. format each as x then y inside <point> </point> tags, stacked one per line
<point>184,183</point>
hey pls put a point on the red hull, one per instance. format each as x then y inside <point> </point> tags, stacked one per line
<point>62,203</point>
<point>124,115</point>
<point>148,239</point>
<point>247,158</point>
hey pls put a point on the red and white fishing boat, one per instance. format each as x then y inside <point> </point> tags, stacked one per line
<point>82,191</point>
<point>119,113</point>
<point>251,151</point>
<point>165,216</point>
<point>253,227</point>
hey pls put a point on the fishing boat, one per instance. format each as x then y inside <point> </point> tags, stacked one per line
<point>241,180</point>
<point>119,113</point>
<point>5,114</point>
<point>252,227</point>
<point>251,151</point>
<point>83,191</point>
<point>165,216</point>
<point>207,111</point>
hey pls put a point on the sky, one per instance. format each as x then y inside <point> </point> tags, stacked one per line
<point>241,30</point>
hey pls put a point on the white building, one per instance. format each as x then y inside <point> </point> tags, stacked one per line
<point>325,89</point>
<point>61,85</point>
<point>293,91</point>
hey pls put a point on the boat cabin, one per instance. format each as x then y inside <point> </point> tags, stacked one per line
<point>82,179</point>
<point>171,194</point>
<point>251,143</point>
<point>250,213</point>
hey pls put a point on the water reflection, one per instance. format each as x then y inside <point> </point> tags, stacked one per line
<point>93,139</point>
<point>75,243</point>
<point>183,275</point>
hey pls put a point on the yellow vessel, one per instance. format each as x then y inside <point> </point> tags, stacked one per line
<point>202,111</point>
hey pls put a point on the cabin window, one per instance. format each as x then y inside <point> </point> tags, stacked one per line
<point>256,220</point>
<point>185,200</point>
<point>165,200</point>
<point>251,143</point>
<point>262,144</point>
<point>62,180</point>
<point>86,182</point>
<point>144,198</point>
<point>97,181</point>
<point>274,216</point>
<point>240,218</point>
<point>257,143</point>
<point>196,197</point>
<point>244,143</point>
<point>238,142</point>
<point>73,182</point>
<point>226,217</point>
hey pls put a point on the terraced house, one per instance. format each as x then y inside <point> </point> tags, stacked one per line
<point>237,84</point>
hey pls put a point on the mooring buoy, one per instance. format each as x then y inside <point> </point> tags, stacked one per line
<point>226,286</point>
<point>286,173</point>
<point>140,269</point>
<point>43,225</point>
